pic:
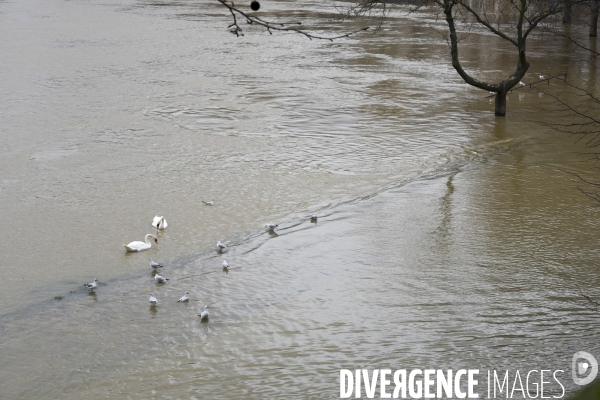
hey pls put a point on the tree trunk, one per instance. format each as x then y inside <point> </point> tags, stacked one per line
<point>594,18</point>
<point>500,110</point>
<point>566,13</point>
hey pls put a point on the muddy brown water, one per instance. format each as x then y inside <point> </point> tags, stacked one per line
<point>446,238</point>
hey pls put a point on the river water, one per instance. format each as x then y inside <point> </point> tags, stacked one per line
<point>446,238</point>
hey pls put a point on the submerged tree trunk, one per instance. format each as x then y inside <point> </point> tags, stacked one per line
<point>594,18</point>
<point>502,88</point>
<point>566,13</point>
<point>500,107</point>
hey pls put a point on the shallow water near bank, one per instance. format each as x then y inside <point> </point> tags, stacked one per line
<point>446,238</point>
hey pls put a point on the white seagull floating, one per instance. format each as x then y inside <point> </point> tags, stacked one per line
<point>204,314</point>
<point>522,84</point>
<point>139,246</point>
<point>159,222</point>
<point>314,217</point>
<point>221,246</point>
<point>209,203</point>
<point>160,279</point>
<point>492,93</point>
<point>271,227</point>
<point>542,77</point>
<point>225,264</point>
<point>154,264</point>
<point>184,298</point>
<point>92,285</point>
<point>152,299</point>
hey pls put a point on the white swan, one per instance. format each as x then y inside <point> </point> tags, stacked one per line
<point>204,314</point>
<point>185,298</point>
<point>139,246</point>
<point>152,300</point>
<point>159,222</point>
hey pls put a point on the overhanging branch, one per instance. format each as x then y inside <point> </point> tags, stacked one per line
<point>270,26</point>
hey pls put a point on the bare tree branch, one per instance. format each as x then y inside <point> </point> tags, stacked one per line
<point>235,28</point>
<point>592,305</point>
<point>569,38</point>
<point>486,24</point>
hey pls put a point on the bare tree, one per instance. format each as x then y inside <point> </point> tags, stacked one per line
<point>589,18</point>
<point>567,12</point>
<point>510,20</point>
<point>595,8</point>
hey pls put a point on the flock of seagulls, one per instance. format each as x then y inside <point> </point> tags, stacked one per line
<point>160,223</point>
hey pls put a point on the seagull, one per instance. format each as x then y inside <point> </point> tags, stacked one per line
<point>204,314</point>
<point>208,203</point>
<point>152,299</point>
<point>271,227</point>
<point>160,279</point>
<point>184,298</point>
<point>492,93</point>
<point>522,84</point>
<point>92,285</point>
<point>542,77</point>
<point>225,265</point>
<point>159,222</point>
<point>154,264</point>
<point>221,246</point>
<point>314,217</point>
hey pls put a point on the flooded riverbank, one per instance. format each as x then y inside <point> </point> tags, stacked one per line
<point>446,238</point>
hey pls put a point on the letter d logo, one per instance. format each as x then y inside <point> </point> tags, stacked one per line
<point>580,368</point>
